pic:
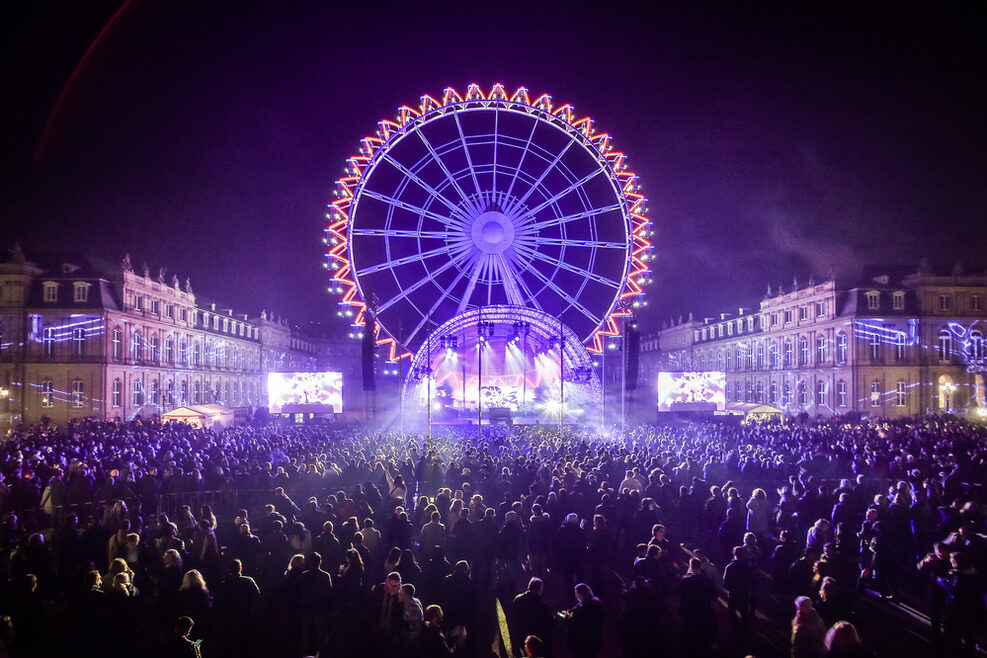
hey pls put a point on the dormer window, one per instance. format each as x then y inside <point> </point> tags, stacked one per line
<point>898,301</point>
<point>50,292</point>
<point>873,300</point>
<point>80,292</point>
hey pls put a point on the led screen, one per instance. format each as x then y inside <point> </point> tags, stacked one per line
<point>691,387</point>
<point>305,388</point>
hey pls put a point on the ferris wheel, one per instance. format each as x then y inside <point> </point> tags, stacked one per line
<point>487,199</point>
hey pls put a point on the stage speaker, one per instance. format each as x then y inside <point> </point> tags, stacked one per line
<point>633,356</point>
<point>367,354</point>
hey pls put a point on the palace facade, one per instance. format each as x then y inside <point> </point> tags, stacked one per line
<point>83,338</point>
<point>896,342</point>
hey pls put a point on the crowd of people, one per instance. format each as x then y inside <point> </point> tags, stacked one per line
<point>295,541</point>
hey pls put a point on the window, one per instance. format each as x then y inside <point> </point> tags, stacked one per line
<point>154,392</point>
<point>773,355</point>
<point>50,293</point>
<point>945,345</point>
<point>899,347</point>
<point>898,301</point>
<point>787,394</point>
<point>976,346</point>
<point>719,331</point>
<point>138,302</point>
<point>183,314</point>
<point>875,346</point>
<point>138,393</point>
<point>155,349</point>
<point>77,393</point>
<point>117,345</point>
<point>803,395</point>
<point>47,394</point>
<point>737,393</point>
<point>820,350</point>
<point>196,354</point>
<point>803,352</point>
<point>196,392</point>
<point>183,352</point>
<point>169,310</point>
<point>899,397</point>
<point>841,393</point>
<point>976,303</point>
<point>820,309</point>
<point>226,394</point>
<point>820,392</point>
<point>749,356</point>
<point>750,392</point>
<point>760,392</point>
<point>184,393</point>
<point>155,307</point>
<point>48,342</point>
<point>170,392</point>
<point>719,361</point>
<point>760,355</point>
<point>788,354</point>
<point>80,292</point>
<point>788,315</point>
<point>169,354</point>
<point>773,393</point>
<point>729,329</point>
<point>803,312</point>
<point>774,319</point>
<point>841,348</point>
<point>117,392</point>
<point>702,361</point>
<point>79,341</point>
<point>873,301</point>
<point>945,302</point>
<point>750,323</point>
<point>740,326</point>
<point>875,393</point>
<point>137,347</point>
<point>703,334</point>
<point>729,360</point>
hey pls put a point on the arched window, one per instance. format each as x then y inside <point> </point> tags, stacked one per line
<point>47,394</point>
<point>169,353</point>
<point>760,355</point>
<point>138,393</point>
<point>196,354</point>
<point>820,392</point>
<point>976,346</point>
<point>183,352</point>
<point>117,393</point>
<point>803,394</point>
<point>117,345</point>
<point>803,352</point>
<point>719,360</point>
<point>154,392</point>
<point>820,350</point>
<point>788,354</point>
<point>77,390</point>
<point>155,349</point>
<point>875,393</point>
<point>787,394</point>
<point>48,342</point>
<point>773,355</point>
<point>945,346</point>
<point>875,346</point>
<point>841,348</point>
<point>79,342</point>
<point>137,347</point>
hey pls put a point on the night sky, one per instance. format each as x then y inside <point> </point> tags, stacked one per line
<point>205,137</point>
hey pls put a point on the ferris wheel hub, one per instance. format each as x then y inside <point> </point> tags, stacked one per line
<point>492,232</point>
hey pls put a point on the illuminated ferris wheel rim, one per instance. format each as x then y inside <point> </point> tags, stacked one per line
<point>473,222</point>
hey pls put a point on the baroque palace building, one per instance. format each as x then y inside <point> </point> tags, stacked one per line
<point>83,338</point>
<point>896,342</point>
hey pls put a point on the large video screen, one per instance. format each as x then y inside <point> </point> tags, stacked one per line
<point>691,387</point>
<point>305,388</point>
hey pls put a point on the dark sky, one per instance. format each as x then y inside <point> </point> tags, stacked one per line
<point>204,137</point>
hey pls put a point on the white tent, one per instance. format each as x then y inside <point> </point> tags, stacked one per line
<point>213,416</point>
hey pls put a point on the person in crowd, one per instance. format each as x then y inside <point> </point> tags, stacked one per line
<point>532,616</point>
<point>584,633</point>
<point>808,630</point>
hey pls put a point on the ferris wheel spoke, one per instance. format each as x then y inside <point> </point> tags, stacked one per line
<point>520,164</point>
<point>566,296</point>
<point>509,277</point>
<point>568,267</point>
<point>445,170</point>
<point>404,205</point>
<point>579,183</point>
<point>496,138</point>
<point>445,295</point>
<point>438,196</point>
<point>397,233</point>
<point>469,160</point>
<point>406,292</point>
<point>552,165</point>
<point>566,242</point>
<point>406,260</point>
<point>556,221</point>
